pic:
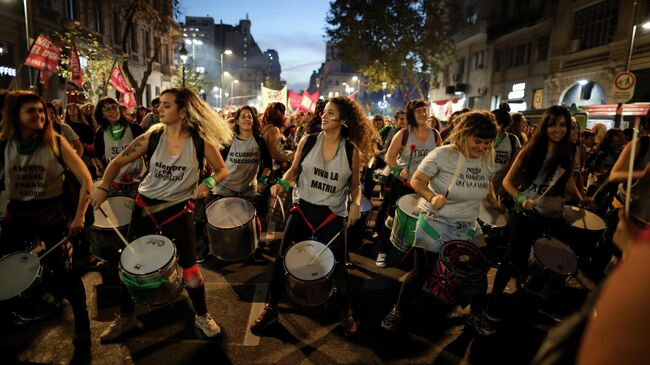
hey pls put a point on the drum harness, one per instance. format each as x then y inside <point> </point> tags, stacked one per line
<point>188,208</point>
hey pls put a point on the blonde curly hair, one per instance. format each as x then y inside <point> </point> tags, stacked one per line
<point>360,130</point>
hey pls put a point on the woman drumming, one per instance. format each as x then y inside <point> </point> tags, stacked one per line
<point>538,181</point>
<point>113,136</point>
<point>452,181</point>
<point>322,179</point>
<point>407,149</point>
<point>38,210</point>
<point>186,123</point>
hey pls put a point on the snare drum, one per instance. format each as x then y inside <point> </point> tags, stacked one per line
<point>357,232</point>
<point>549,264</point>
<point>494,224</point>
<point>402,233</point>
<point>231,228</point>
<point>309,284</point>
<point>104,242</point>
<point>149,270</point>
<point>586,226</point>
<point>25,289</point>
<point>460,273</point>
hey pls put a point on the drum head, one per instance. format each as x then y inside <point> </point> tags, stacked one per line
<point>583,219</point>
<point>147,254</point>
<point>231,212</point>
<point>299,255</point>
<point>491,216</point>
<point>555,255</point>
<point>118,209</point>
<point>463,259</point>
<point>366,205</point>
<point>409,205</point>
<point>18,270</point>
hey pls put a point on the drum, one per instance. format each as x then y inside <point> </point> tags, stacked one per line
<point>231,228</point>
<point>493,223</point>
<point>357,232</point>
<point>402,233</point>
<point>25,289</point>
<point>460,273</point>
<point>309,279</point>
<point>549,264</point>
<point>586,227</point>
<point>149,270</point>
<point>104,242</point>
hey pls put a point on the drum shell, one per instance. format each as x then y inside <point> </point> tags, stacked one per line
<point>171,277</point>
<point>542,280</point>
<point>494,224</point>
<point>585,240</point>
<point>357,232</point>
<point>105,244</point>
<point>402,234</point>
<point>309,293</point>
<point>463,287</point>
<point>232,244</point>
<point>37,301</point>
<point>301,288</point>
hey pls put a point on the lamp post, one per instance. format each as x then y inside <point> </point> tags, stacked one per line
<point>29,69</point>
<point>221,74</point>
<point>357,79</point>
<point>183,54</point>
<point>232,87</point>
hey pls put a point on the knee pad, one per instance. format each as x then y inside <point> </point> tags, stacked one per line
<point>192,277</point>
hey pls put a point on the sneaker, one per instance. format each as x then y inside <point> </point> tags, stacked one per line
<point>207,325</point>
<point>381,260</point>
<point>120,326</point>
<point>481,324</point>
<point>202,253</point>
<point>393,319</point>
<point>348,323</point>
<point>266,318</point>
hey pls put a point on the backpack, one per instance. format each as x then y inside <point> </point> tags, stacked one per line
<point>71,186</point>
<point>199,146</point>
<point>309,144</point>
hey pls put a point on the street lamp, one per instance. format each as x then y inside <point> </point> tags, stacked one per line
<point>183,54</point>
<point>232,87</point>
<point>222,72</point>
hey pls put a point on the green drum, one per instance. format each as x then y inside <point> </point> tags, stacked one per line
<point>402,234</point>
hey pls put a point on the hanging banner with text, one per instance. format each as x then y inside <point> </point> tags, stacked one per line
<point>119,81</point>
<point>305,102</point>
<point>44,55</point>
<point>75,66</point>
<point>273,96</point>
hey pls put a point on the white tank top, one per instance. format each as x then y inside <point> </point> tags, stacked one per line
<point>243,163</point>
<point>112,148</point>
<point>171,178</point>
<point>35,176</point>
<point>421,151</point>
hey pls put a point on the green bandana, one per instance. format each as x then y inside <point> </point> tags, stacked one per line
<point>116,131</point>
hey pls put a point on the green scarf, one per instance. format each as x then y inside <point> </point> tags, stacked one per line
<point>116,131</point>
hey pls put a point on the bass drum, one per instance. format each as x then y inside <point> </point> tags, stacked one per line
<point>232,232</point>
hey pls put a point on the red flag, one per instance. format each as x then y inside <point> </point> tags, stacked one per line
<point>44,55</point>
<point>128,100</point>
<point>119,81</point>
<point>75,66</point>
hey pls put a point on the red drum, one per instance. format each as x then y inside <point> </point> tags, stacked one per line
<point>460,273</point>
<point>549,264</point>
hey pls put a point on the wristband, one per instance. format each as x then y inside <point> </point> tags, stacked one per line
<point>520,198</point>
<point>263,179</point>
<point>210,182</point>
<point>285,184</point>
<point>103,189</point>
<point>396,170</point>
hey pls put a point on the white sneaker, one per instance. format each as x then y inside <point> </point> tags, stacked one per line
<point>207,325</point>
<point>120,326</point>
<point>381,260</point>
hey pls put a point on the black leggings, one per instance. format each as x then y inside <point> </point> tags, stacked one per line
<point>181,231</point>
<point>296,230</point>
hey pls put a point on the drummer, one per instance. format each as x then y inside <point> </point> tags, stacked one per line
<point>28,144</point>
<point>187,126</point>
<point>408,147</point>
<point>247,159</point>
<point>322,178</point>
<point>506,146</point>
<point>452,181</point>
<point>113,136</point>
<point>538,181</point>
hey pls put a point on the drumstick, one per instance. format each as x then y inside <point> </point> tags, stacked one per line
<point>65,239</point>
<point>454,177</point>
<point>551,184</point>
<point>270,225</point>
<point>412,149</point>
<point>110,222</point>
<point>628,188</point>
<point>326,247</point>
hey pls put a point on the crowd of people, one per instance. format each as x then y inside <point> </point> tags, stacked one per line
<point>433,182</point>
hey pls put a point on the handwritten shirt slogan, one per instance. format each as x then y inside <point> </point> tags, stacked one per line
<point>30,181</point>
<point>321,179</point>
<point>169,172</point>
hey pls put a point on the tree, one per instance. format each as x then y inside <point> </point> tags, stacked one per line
<point>159,23</point>
<point>193,80</point>
<point>392,41</point>
<point>99,57</point>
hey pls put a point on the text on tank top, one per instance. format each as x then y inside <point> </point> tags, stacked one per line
<point>113,148</point>
<point>35,176</point>
<point>243,163</point>
<point>171,178</point>
<point>421,151</point>
<point>552,203</point>
<point>323,183</point>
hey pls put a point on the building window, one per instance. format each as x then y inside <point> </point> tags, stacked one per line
<point>116,26</point>
<point>519,55</point>
<point>497,60</point>
<point>471,15</point>
<point>595,26</point>
<point>156,42</point>
<point>460,70</point>
<point>98,18</point>
<point>146,47</point>
<point>542,48</point>
<point>73,10</point>
<point>478,60</point>
<point>134,38</point>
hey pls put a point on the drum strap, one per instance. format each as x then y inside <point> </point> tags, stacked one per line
<point>427,228</point>
<point>188,208</point>
<point>311,227</point>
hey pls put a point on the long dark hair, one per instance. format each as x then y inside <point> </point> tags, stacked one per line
<point>534,153</point>
<point>274,114</point>
<point>256,122</point>
<point>99,116</point>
